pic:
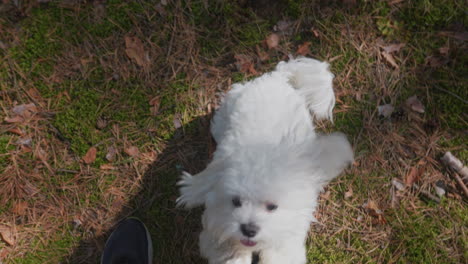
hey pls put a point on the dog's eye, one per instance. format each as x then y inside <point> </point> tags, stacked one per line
<point>271,207</point>
<point>236,202</point>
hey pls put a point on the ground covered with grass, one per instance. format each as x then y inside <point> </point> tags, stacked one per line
<point>105,102</point>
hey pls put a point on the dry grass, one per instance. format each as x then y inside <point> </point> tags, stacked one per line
<point>71,61</point>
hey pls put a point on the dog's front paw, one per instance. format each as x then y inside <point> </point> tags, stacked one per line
<point>185,183</point>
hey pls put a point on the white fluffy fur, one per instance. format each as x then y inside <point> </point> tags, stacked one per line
<point>267,153</point>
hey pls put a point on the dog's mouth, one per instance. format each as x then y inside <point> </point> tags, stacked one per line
<point>248,242</point>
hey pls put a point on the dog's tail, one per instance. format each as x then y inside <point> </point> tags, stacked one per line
<point>313,80</point>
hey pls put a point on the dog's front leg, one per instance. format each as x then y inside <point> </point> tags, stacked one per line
<point>290,253</point>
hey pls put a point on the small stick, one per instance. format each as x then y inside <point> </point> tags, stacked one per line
<point>399,185</point>
<point>455,164</point>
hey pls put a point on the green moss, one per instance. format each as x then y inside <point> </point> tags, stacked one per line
<point>419,238</point>
<point>349,122</point>
<point>53,251</point>
<point>5,147</point>
<point>426,15</point>
<point>118,18</point>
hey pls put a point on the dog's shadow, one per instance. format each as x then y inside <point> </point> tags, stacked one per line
<point>174,231</point>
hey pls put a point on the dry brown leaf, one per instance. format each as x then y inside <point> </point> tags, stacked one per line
<point>154,109</point>
<point>393,47</point>
<point>136,51</point>
<point>19,208</point>
<point>132,151</point>
<point>414,104</point>
<point>389,58</point>
<point>272,41</point>
<point>348,194</point>
<point>16,119</point>
<point>373,210</point>
<point>245,64</point>
<point>4,253</point>
<point>101,123</point>
<point>8,234</point>
<point>444,50</point>
<point>414,175</point>
<point>16,131</point>
<point>90,156</point>
<point>262,55</point>
<point>107,167</point>
<point>303,49</point>
<point>316,32</point>
<point>25,110</point>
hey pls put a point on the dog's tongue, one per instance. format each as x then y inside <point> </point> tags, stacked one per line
<point>248,243</point>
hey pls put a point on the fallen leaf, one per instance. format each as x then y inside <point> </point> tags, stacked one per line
<point>136,51</point>
<point>132,151</point>
<point>385,110</point>
<point>107,167</point>
<point>389,58</point>
<point>90,156</point>
<point>25,110</point>
<point>414,104</point>
<point>326,195</point>
<point>373,210</point>
<point>101,123</point>
<point>393,47</point>
<point>444,50</point>
<point>262,55</point>
<point>111,152</point>
<point>414,175</point>
<point>316,32</point>
<point>154,109</point>
<point>272,41</point>
<point>303,49</point>
<point>19,208</point>
<point>4,253</point>
<point>348,194</point>
<point>16,131</point>
<point>16,119</point>
<point>118,203</point>
<point>245,64</point>
<point>7,234</point>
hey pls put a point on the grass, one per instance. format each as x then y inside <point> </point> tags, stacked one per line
<point>72,63</point>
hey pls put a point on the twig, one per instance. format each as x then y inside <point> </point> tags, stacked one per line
<point>456,165</point>
<point>399,185</point>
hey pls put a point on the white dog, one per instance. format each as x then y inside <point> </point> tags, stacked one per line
<point>261,188</point>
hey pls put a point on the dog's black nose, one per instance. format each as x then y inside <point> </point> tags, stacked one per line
<point>249,230</point>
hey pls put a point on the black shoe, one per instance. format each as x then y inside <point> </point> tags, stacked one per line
<point>129,243</point>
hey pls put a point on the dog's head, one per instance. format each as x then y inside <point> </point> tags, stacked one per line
<point>254,200</point>
<point>258,195</point>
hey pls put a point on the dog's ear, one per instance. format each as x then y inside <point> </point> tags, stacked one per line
<point>334,155</point>
<point>194,189</point>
